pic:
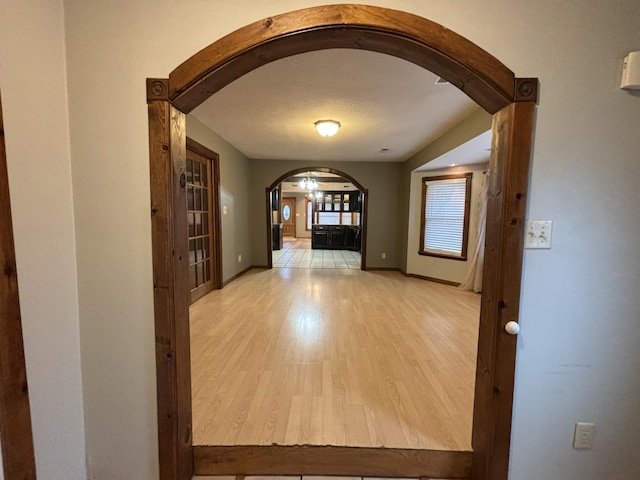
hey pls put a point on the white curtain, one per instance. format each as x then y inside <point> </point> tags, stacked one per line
<point>473,280</point>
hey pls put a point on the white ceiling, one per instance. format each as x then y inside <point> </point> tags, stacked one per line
<point>381,101</point>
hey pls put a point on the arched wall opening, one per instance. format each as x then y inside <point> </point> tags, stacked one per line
<point>297,171</point>
<point>483,78</point>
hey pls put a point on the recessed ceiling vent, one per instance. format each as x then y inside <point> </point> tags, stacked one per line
<point>441,81</point>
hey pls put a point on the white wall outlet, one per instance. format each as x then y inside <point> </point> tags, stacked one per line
<point>383,256</point>
<point>583,437</point>
<point>224,209</point>
<point>239,258</point>
<point>538,234</point>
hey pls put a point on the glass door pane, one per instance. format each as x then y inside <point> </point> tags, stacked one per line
<point>198,196</point>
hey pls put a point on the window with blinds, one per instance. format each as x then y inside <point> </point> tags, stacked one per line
<point>444,226</point>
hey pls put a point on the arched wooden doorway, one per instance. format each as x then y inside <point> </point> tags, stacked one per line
<point>511,100</point>
<point>352,180</point>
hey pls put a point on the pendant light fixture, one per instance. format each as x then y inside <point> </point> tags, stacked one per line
<point>308,183</point>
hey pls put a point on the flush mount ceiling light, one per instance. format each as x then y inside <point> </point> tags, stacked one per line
<point>327,128</point>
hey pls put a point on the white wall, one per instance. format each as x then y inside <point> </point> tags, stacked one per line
<point>579,350</point>
<point>34,101</point>
<point>434,267</point>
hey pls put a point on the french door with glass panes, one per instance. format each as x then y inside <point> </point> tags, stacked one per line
<point>200,197</point>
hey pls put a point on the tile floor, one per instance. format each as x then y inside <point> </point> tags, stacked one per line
<point>297,253</point>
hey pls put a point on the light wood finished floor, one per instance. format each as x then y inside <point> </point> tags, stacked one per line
<point>291,477</point>
<point>334,357</point>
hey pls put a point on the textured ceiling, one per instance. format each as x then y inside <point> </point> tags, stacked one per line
<point>381,101</point>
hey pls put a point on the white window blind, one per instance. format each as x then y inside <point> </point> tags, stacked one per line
<point>444,216</point>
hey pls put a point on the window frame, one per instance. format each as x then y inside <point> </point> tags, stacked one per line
<point>467,212</point>
<point>308,219</point>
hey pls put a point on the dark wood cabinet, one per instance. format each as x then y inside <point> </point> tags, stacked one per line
<point>320,237</point>
<point>352,241</point>
<point>338,216</point>
<point>276,236</point>
<point>336,237</point>
<point>339,202</point>
<point>355,201</point>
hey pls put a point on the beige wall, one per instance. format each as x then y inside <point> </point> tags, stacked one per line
<point>90,274</point>
<point>235,176</point>
<point>476,123</point>
<point>33,83</point>
<point>433,267</point>
<point>301,217</point>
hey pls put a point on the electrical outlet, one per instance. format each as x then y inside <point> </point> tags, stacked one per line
<point>538,234</point>
<point>383,256</point>
<point>583,437</point>
<point>239,258</point>
<point>224,209</point>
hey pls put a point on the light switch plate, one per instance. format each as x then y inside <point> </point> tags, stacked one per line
<point>538,234</point>
<point>583,436</point>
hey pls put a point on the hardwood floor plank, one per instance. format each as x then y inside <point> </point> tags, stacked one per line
<point>334,357</point>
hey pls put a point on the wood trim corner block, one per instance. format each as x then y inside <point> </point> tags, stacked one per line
<point>157,89</point>
<point>526,90</point>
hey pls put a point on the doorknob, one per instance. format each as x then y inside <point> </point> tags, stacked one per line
<point>512,328</point>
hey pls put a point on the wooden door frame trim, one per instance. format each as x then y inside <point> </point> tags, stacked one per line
<point>296,460</point>
<point>335,171</point>
<point>482,77</point>
<point>18,457</point>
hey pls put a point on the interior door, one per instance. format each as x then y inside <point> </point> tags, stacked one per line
<point>200,224</point>
<point>288,215</point>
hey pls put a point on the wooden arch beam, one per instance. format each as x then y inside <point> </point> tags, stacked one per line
<point>415,39</point>
<point>335,171</point>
